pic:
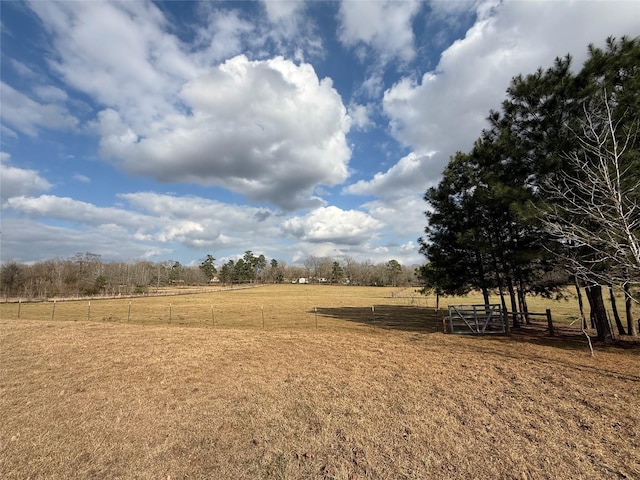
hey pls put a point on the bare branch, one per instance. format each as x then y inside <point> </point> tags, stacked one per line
<point>594,210</point>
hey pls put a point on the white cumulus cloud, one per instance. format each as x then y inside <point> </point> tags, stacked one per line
<point>445,110</point>
<point>28,116</point>
<point>334,225</point>
<point>118,53</point>
<point>402,215</point>
<point>15,182</point>
<point>361,116</point>
<point>31,241</point>
<point>268,129</point>
<point>278,11</point>
<point>406,176</point>
<point>385,26</point>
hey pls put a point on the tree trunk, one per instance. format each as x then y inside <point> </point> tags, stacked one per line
<point>507,325</point>
<point>583,319</point>
<point>592,311</point>
<point>514,305</point>
<point>485,295</point>
<point>628,302</point>
<point>522,296</point>
<point>503,302</point>
<point>520,306</point>
<point>598,313</point>
<point>482,280</point>
<point>614,308</point>
<point>497,253</point>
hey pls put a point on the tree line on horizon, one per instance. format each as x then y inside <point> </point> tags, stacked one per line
<point>85,274</point>
<point>549,193</point>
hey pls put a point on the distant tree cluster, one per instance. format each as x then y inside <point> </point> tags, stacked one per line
<point>87,274</point>
<point>549,193</point>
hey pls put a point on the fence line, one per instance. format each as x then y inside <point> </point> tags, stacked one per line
<point>546,314</point>
<point>257,316</point>
<point>384,315</point>
<point>130,295</point>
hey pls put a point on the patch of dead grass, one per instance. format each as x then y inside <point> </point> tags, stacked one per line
<point>283,306</point>
<point>108,400</point>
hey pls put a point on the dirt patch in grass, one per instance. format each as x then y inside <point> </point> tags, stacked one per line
<point>111,400</point>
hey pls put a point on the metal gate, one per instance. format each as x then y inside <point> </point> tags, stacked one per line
<point>475,319</point>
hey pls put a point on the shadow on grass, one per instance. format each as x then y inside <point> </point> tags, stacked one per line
<point>391,317</point>
<point>571,338</point>
<point>578,346</point>
<point>426,320</point>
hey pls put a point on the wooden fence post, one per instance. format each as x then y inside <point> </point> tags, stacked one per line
<point>505,320</point>
<point>550,322</point>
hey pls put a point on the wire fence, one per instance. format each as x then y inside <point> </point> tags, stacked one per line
<point>265,311</point>
<point>160,292</point>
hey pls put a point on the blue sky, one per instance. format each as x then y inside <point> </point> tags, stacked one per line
<point>173,130</point>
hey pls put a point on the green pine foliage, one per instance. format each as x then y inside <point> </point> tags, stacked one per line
<point>485,220</point>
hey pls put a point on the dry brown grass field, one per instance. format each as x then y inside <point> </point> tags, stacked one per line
<point>88,395</point>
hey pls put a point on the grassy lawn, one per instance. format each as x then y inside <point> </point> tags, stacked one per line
<point>282,306</point>
<point>353,399</point>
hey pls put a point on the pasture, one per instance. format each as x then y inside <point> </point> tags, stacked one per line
<point>103,392</point>
<point>281,306</point>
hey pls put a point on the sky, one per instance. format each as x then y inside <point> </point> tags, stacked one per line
<point>158,131</point>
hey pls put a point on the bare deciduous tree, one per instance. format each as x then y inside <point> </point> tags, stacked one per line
<point>595,208</point>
